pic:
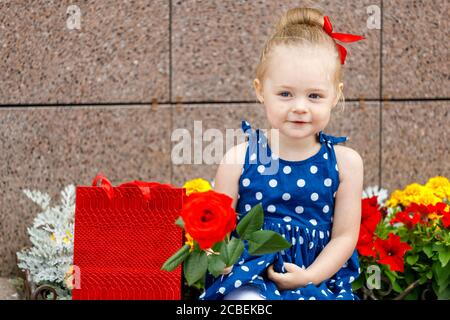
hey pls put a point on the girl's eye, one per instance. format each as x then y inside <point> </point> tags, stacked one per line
<point>281,93</point>
<point>314,96</point>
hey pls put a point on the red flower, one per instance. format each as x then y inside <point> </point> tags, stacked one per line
<point>406,218</point>
<point>370,215</point>
<point>392,252</point>
<point>365,245</point>
<point>423,210</point>
<point>446,219</point>
<point>208,217</point>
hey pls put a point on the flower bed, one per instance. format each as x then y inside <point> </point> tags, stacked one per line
<point>404,244</point>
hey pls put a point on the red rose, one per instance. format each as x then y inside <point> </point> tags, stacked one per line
<point>208,217</point>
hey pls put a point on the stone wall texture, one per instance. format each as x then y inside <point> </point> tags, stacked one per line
<point>76,99</point>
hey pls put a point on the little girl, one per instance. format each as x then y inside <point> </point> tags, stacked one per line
<point>313,199</point>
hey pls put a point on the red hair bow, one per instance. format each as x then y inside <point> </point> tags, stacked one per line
<point>343,37</point>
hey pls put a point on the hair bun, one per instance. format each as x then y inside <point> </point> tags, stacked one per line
<point>298,16</point>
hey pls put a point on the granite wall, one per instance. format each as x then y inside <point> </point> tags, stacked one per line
<point>101,85</point>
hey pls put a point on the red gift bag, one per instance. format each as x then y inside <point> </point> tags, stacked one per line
<point>122,237</point>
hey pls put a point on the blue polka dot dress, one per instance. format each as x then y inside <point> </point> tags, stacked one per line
<point>298,202</point>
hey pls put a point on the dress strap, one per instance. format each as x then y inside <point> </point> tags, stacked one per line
<point>329,139</point>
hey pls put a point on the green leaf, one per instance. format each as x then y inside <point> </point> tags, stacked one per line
<point>215,265</point>
<point>234,250</point>
<point>176,259</point>
<point>251,222</point>
<point>179,222</point>
<point>428,251</point>
<point>444,256</point>
<point>195,267</point>
<point>358,283</point>
<point>266,241</point>
<point>412,259</point>
<point>442,273</point>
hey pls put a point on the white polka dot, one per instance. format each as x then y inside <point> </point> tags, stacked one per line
<point>246,182</point>
<point>301,298</point>
<point>245,268</point>
<point>326,209</point>
<point>254,277</point>
<point>313,169</point>
<point>313,222</point>
<point>288,227</point>
<point>277,292</point>
<point>336,167</point>
<point>300,240</point>
<point>253,157</point>
<point>248,207</point>
<point>301,183</point>
<point>314,196</point>
<point>241,262</point>
<point>334,195</point>
<point>222,290</point>
<point>325,155</point>
<point>258,196</point>
<point>313,233</point>
<point>247,124</point>
<point>293,241</point>
<point>321,235</point>
<point>273,183</point>
<point>312,298</point>
<point>311,245</point>
<point>287,170</point>
<point>287,219</point>
<point>271,208</point>
<point>324,293</point>
<point>351,279</point>
<point>261,262</point>
<point>261,168</point>
<point>237,283</point>
<point>328,233</point>
<point>299,209</point>
<point>286,196</point>
<point>327,182</point>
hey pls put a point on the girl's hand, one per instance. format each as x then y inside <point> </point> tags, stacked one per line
<point>294,278</point>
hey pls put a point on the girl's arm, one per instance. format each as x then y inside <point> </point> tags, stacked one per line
<point>346,220</point>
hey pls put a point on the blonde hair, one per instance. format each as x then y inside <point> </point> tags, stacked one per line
<point>300,26</point>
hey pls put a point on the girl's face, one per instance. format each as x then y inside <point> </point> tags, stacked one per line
<point>298,87</point>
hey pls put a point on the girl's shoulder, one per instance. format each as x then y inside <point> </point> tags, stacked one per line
<point>347,160</point>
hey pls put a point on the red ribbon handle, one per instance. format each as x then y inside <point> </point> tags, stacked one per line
<point>105,184</point>
<point>343,37</point>
<point>144,187</point>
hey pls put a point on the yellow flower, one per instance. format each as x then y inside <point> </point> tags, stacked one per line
<point>189,241</point>
<point>440,186</point>
<point>197,185</point>
<point>66,240</point>
<point>52,237</point>
<point>413,193</point>
<point>434,216</point>
<point>69,234</point>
